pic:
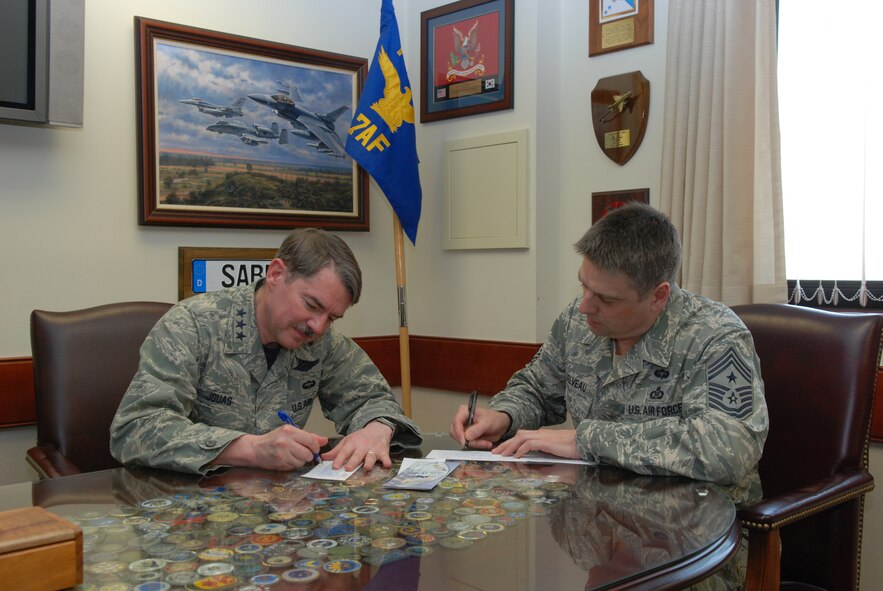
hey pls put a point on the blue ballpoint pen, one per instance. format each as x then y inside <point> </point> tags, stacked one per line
<point>287,420</point>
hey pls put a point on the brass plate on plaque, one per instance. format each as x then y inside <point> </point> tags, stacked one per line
<point>620,106</point>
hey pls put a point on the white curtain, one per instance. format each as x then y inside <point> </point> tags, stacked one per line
<point>721,175</point>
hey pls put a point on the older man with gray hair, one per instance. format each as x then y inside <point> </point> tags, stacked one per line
<point>218,368</point>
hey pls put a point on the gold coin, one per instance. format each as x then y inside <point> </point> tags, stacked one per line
<point>222,517</point>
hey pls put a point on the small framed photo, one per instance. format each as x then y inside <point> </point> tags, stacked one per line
<point>243,133</point>
<point>619,24</point>
<point>466,57</point>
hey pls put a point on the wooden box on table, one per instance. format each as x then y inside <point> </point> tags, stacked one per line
<point>39,551</point>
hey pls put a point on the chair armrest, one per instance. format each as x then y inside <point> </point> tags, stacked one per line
<point>793,505</point>
<point>50,463</point>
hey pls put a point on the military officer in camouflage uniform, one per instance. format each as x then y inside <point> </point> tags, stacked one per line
<point>217,368</point>
<point>657,380</point>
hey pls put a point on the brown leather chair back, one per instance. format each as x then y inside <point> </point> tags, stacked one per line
<point>83,363</point>
<point>819,370</point>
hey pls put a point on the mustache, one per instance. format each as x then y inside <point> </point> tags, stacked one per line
<point>306,330</point>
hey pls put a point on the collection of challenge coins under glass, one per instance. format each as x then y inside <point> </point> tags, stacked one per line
<point>257,534</point>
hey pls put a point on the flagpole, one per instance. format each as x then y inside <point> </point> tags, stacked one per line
<point>381,139</point>
<point>401,290</point>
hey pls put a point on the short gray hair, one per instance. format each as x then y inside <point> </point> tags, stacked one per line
<point>637,241</point>
<point>306,251</point>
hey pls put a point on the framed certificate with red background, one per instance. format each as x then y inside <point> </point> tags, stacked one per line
<point>466,53</point>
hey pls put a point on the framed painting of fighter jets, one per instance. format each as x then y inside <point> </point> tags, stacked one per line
<point>466,53</point>
<point>242,133</point>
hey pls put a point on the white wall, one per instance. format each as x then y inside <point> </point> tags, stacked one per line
<point>68,197</point>
<point>516,294</point>
<point>460,293</point>
<point>68,231</point>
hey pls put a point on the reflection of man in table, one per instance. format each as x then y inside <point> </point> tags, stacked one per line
<point>217,368</point>
<point>617,524</point>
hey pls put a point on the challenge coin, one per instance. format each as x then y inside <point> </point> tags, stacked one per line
<point>343,566</point>
<point>264,580</point>
<point>277,561</point>
<point>215,583</point>
<point>490,527</point>
<point>153,586</point>
<point>313,563</point>
<point>388,543</point>
<point>157,503</point>
<point>182,578</point>
<point>455,543</point>
<point>300,575</point>
<point>147,565</point>
<point>215,568</point>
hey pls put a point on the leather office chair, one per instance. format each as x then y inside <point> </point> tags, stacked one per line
<point>83,363</point>
<point>819,371</point>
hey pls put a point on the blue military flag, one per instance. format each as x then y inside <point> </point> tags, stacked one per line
<point>381,137</point>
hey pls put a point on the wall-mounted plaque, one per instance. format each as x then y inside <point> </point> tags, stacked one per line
<point>620,107</point>
<point>619,25</point>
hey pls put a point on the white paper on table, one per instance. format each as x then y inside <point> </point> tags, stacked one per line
<point>421,474</point>
<point>486,456</point>
<point>324,471</point>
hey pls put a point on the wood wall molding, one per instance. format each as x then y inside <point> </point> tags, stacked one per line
<point>457,365</point>
<point>17,391</point>
<point>464,365</point>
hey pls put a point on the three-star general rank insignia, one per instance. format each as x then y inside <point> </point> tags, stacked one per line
<point>729,385</point>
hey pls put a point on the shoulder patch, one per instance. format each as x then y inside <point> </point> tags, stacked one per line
<point>730,385</point>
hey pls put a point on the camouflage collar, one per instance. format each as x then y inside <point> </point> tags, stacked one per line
<point>243,335</point>
<point>656,344</point>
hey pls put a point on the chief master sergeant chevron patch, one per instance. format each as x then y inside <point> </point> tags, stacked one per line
<point>729,385</point>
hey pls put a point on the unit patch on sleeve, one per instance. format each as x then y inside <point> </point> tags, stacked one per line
<point>729,385</point>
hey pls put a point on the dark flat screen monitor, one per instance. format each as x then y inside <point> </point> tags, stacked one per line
<point>24,28</point>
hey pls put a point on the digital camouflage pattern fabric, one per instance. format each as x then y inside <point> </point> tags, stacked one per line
<point>203,381</point>
<point>687,399</point>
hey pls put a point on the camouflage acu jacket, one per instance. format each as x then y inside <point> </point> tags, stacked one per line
<point>203,381</point>
<point>687,399</point>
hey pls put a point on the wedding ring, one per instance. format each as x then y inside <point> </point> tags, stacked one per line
<point>371,453</point>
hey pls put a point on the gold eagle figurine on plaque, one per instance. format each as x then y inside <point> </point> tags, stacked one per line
<point>620,106</point>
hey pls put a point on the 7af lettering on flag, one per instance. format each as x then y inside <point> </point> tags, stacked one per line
<point>381,137</point>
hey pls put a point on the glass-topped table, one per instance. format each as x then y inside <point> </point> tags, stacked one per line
<point>487,526</point>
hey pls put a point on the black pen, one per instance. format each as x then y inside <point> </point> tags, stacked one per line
<point>473,398</point>
<point>283,416</point>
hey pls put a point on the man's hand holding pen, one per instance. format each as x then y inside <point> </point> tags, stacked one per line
<point>478,428</point>
<point>284,448</point>
<point>285,418</point>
